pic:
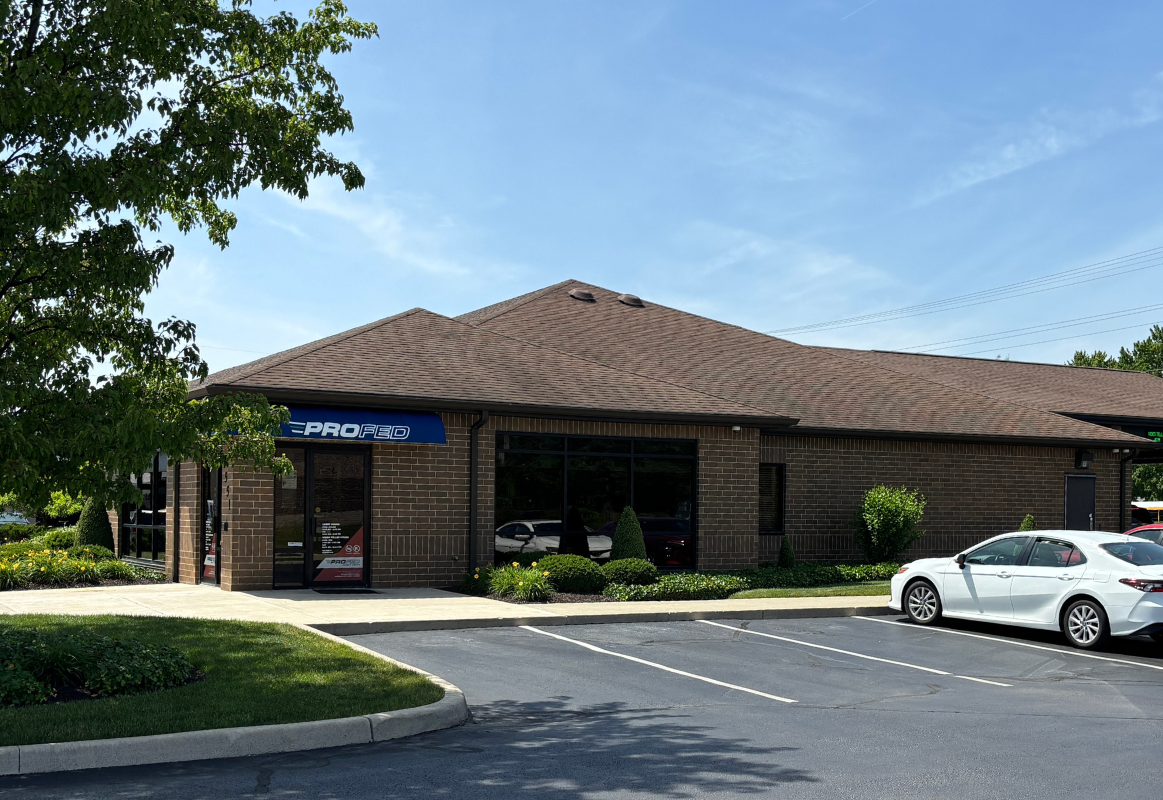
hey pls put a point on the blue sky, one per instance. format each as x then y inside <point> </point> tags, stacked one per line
<point>767,164</point>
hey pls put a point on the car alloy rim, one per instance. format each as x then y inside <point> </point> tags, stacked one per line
<point>1083,624</point>
<point>922,603</point>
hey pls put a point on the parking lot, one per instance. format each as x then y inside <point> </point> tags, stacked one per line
<point>845,707</point>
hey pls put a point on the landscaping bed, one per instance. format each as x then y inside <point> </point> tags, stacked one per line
<point>222,674</point>
<point>52,559</point>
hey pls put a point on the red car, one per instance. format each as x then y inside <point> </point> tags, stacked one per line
<point>1152,533</point>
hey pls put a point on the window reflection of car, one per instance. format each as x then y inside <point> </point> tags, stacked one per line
<point>669,542</point>
<point>544,536</point>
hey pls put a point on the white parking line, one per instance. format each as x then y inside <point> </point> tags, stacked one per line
<point>855,655</point>
<point>1078,653</point>
<point>663,667</point>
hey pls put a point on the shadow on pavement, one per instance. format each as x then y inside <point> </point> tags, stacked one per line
<point>548,750</point>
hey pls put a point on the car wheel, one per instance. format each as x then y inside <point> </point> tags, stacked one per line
<point>1085,624</point>
<point>922,603</point>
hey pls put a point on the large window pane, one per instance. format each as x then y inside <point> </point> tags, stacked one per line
<point>509,441</point>
<point>577,445</point>
<point>664,492</point>
<point>599,488</point>
<point>770,499</point>
<point>530,490</point>
<point>290,493</point>
<point>663,447</point>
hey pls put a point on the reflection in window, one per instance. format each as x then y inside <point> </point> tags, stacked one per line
<point>1003,552</point>
<point>770,499</point>
<point>592,484</point>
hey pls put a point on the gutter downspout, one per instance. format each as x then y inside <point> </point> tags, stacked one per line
<point>473,490</point>
<point>1123,490</point>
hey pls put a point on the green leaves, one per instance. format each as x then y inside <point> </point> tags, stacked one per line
<point>886,523</point>
<point>113,115</point>
<point>1144,356</point>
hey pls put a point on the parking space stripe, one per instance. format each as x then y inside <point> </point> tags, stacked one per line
<point>663,667</point>
<point>1078,653</point>
<point>854,655</point>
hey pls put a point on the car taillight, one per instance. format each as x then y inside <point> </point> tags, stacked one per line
<point>1143,586</point>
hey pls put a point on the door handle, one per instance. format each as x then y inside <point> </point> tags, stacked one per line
<point>1003,575</point>
<point>1067,577</point>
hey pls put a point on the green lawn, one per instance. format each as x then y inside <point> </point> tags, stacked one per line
<point>256,674</point>
<point>866,589</point>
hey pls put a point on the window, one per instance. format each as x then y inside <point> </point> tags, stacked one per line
<point>1139,553</point>
<point>143,525</point>
<point>771,499</point>
<point>999,553</point>
<point>1049,553</point>
<point>1151,534</point>
<point>570,491</point>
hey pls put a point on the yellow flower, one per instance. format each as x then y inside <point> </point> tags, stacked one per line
<point>476,577</point>
<point>534,563</point>
<point>520,583</point>
<point>546,574</point>
<point>515,564</point>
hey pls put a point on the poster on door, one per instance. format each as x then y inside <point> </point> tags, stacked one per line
<point>210,549</point>
<point>342,555</point>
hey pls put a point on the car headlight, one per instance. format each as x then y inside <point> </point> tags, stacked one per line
<point>902,570</point>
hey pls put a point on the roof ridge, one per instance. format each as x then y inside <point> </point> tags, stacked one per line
<point>989,360</point>
<point>976,392</point>
<point>517,302</point>
<point>623,370</point>
<point>311,347</point>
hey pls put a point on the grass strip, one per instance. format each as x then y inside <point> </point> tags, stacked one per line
<point>868,589</point>
<point>256,673</point>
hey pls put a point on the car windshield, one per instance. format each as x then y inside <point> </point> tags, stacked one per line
<point>1139,553</point>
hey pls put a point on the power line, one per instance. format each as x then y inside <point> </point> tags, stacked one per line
<point>1059,339</point>
<point>1016,333</point>
<point>1134,262</point>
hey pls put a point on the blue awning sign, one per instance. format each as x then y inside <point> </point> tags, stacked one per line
<point>352,425</point>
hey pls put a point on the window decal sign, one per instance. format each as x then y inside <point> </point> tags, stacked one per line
<point>353,425</point>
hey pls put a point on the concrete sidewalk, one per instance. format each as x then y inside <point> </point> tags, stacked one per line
<point>391,610</point>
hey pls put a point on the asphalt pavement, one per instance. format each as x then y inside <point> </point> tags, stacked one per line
<point>822,708</point>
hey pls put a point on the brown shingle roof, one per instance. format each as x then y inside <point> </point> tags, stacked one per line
<point>421,359</point>
<point>826,391</point>
<point>1068,390</point>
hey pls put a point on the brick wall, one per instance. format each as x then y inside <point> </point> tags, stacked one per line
<point>246,557</point>
<point>189,525</point>
<point>973,491</point>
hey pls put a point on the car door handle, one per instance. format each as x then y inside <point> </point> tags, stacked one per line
<point>1003,574</point>
<point>1067,577</point>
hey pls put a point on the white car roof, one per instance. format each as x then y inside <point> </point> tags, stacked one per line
<point>1093,537</point>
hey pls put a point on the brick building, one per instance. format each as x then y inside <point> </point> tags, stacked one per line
<point>533,422</point>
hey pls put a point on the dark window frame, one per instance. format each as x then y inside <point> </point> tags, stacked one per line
<point>158,477</point>
<point>781,500</point>
<point>566,453</point>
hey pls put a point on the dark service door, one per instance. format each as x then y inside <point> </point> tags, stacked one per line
<point>338,510</point>
<point>1079,503</point>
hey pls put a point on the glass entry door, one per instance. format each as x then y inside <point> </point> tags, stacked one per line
<point>321,516</point>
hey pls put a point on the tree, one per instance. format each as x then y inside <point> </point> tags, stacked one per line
<point>1144,356</point>
<point>1028,524</point>
<point>628,541</point>
<point>886,522</point>
<point>787,557</point>
<point>116,115</point>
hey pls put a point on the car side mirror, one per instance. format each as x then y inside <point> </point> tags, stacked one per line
<point>960,560</point>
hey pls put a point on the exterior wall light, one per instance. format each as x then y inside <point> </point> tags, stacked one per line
<point>736,428</point>
<point>1083,459</point>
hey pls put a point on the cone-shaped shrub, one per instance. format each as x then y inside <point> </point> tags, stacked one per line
<point>628,541</point>
<point>1028,523</point>
<point>93,527</point>
<point>786,559</point>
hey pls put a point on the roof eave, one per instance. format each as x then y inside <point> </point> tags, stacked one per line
<point>1124,441</point>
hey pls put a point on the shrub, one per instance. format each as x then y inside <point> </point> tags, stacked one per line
<point>1028,524</point>
<point>628,541</point>
<point>886,524</point>
<point>685,586</point>
<point>477,581</point>
<point>573,574</point>
<point>18,532</point>
<point>630,572</point>
<point>786,558</point>
<point>17,549</point>
<point>120,571</point>
<point>61,505</point>
<point>525,559</point>
<point>37,663</point>
<point>530,584</point>
<point>91,552</point>
<point>94,527</point>
<point>57,538</point>
<point>804,575</point>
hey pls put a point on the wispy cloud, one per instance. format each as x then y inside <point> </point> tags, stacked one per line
<point>1049,134</point>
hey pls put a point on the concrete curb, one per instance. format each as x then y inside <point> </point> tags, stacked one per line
<point>448,712</point>
<point>400,626</point>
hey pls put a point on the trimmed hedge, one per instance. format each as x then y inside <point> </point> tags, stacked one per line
<point>93,527</point>
<point>628,541</point>
<point>91,552</point>
<point>630,572</point>
<point>18,532</point>
<point>39,663</point>
<point>684,586</point>
<point>57,538</point>
<point>573,574</point>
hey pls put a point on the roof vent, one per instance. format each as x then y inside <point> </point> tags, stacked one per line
<point>582,294</point>
<point>631,300</point>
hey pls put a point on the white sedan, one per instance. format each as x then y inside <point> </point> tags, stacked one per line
<point>1089,585</point>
